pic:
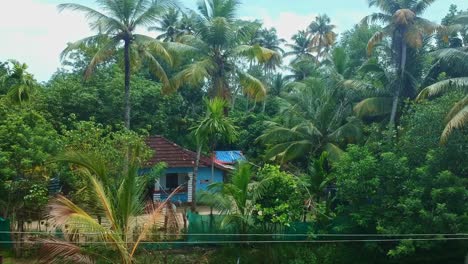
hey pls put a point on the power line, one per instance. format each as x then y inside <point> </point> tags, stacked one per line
<point>243,242</point>
<point>254,234</point>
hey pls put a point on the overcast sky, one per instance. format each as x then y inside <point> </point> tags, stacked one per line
<point>32,31</point>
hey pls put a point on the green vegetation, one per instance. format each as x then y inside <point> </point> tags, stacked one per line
<point>358,136</point>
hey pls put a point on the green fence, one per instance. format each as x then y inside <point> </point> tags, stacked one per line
<point>5,235</point>
<point>208,228</point>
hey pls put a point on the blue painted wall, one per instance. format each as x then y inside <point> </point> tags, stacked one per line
<point>203,180</point>
<point>204,175</point>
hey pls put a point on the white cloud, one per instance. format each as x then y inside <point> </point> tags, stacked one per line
<point>286,23</point>
<point>35,33</point>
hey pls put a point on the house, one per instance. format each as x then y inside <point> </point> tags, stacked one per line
<point>180,165</point>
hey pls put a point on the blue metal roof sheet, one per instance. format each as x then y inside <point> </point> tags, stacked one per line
<point>230,156</point>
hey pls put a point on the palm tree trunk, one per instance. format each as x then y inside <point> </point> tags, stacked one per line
<point>127,83</point>
<point>396,96</point>
<point>194,179</point>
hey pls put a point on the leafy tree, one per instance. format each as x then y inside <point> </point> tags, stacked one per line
<point>381,193</point>
<point>421,127</point>
<point>217,48</point>
<point>118,23</point>
<point>406,28</point>
<point>27,141</point>
<point>282,201</point>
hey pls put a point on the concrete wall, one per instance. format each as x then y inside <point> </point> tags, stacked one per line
<point>203,180</point>
<point>204,175</point>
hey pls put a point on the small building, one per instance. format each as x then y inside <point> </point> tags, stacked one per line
<point>180,166</point>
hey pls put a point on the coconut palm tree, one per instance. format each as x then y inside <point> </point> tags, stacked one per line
<point>268,38</point>
<point>19,84</point>
<point>458,115</point>
<point>120,199</point>
<point>322,36</point>
<point>404,25</point>
<point>212,129</point>
<point>118,21</point>
<point>218,45</point>
<point>300,47</point>
<point>314,121</point>
<point>168,25</point>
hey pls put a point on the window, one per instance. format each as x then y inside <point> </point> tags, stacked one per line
<point>172,180</point>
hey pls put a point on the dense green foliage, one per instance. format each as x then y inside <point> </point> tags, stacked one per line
<point>358,133</point>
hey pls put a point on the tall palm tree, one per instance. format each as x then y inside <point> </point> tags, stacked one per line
<point>300,47</point>
<point>19,84</point>
<point>405,27</point>
<point>212,129</point>
<point>322,36</point>
<point>458,115</point>
<point>168,25</point>
<point>119,21</point>
<point>268,38</point>
<point>314,121</point>
<point>120,199</point>
<point>217,45</point>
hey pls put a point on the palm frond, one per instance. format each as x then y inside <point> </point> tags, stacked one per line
<point>388,7</point>
<point>422,5</point>
<point>374,106</point>
<point>195,73</point>
<point>58,251</point>
<point>98,20</point>
<point>442,87</point>
<point>375,18</point>
<point>152,219</point>
<point>289,150</point>
<point>350,132</point>
<point>64,212</point>
<point>374,40</point>
<point>334,152</point>
<point>83,42</point>
<point>258,53</point>
<point>94,170</point>
<point>458,120</point>
<point>457,107</point>
<point>252,86</point>
<point>104,53</point>
<point>148,16</point>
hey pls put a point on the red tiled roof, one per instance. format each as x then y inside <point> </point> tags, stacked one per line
<point>174,155</point>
